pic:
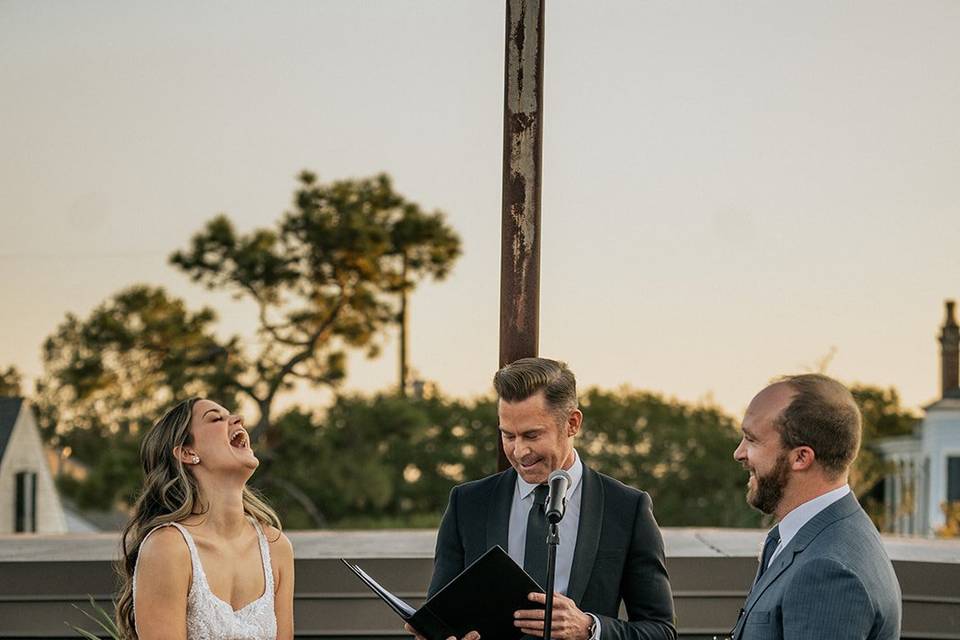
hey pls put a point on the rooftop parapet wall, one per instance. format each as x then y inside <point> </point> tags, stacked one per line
<point>710,570</point>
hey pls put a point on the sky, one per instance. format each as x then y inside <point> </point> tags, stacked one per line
<point>731,190</point>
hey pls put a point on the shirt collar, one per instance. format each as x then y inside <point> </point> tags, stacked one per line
<point>794,521</point>
<point>524,488</point>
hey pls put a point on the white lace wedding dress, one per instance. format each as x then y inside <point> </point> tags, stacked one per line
<point>210,618</point>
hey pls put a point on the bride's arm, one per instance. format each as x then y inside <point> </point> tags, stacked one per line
<point>163,580</point>
<point>281,556</point>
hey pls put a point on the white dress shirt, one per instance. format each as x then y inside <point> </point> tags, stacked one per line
<point>794,521</point>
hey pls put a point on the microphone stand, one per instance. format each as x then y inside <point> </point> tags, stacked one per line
<point>553,541</point>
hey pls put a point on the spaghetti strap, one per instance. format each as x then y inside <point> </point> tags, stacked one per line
<point>265,558</point>
<point>187,537</point>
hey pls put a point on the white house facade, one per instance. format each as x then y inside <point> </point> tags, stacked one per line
<point>925,475</point>
<point>29,502</point>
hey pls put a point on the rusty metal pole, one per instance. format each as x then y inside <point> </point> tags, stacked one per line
<point>522,152</point>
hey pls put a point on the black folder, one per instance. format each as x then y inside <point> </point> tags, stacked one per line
<point>482,598</point>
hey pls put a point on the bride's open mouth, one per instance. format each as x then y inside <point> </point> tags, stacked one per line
<point>239,439</point>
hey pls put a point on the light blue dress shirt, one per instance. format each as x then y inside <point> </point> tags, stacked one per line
<point>794,521</point>
<point>567,530</point>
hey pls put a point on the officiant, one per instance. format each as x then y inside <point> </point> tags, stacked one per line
<point>610,551</point>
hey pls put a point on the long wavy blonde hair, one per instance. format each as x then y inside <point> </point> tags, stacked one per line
<point>170,494</point>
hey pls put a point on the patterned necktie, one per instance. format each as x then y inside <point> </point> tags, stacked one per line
<point>535,548</point>
<point>769,546</point>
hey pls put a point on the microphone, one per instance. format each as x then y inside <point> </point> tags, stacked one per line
<point>559,482</point>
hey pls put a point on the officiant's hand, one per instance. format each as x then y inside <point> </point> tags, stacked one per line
<point>569,623</point>
<point>473,635</point>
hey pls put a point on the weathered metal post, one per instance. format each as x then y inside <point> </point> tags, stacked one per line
<point>522,152</point>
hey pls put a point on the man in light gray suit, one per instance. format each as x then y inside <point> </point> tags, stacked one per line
<point>823,571</point>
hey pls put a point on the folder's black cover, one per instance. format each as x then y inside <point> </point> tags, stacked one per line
<point>482,598</point>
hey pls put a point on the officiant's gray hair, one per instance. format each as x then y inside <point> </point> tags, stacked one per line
<point>525,377</point>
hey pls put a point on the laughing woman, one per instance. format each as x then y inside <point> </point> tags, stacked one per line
<point>203,557</point>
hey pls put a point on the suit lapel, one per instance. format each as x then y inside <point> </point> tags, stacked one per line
<point>842,508</point>
<point>839,509</point>
<point>780,564</point>
<point>498,511</point>
<point>588,534</point>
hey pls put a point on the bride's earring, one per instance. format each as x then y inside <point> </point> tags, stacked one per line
<point>196,459</point>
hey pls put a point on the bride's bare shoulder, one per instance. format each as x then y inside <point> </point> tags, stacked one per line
<point>164,546</point>
<point>279,542</point>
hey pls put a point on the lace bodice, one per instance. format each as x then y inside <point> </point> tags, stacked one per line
<point>210,618</point>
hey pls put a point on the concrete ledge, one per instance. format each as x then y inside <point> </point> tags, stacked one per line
<point>710,570</point>
<point>419,543</point>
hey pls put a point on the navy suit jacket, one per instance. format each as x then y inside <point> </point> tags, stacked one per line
<point>618,556</point>
<point>833,580</point>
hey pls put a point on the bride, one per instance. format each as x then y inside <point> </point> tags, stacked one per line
<point>203,557</point>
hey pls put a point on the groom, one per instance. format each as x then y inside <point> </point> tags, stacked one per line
<point>823,572</point>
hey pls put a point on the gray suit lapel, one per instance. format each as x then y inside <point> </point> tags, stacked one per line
<point>498,512</point>
<point>588,534</point>
<point>780,564</point>
<point>839,509</point>
<point>842,508</point>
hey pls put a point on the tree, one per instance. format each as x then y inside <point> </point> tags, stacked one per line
<point>383,459</point>
<point>425,247</point>
<point>681,454</point>
<point>323,280</point>
<point>883,417</point>
<point>107,378</point>
<point>388,460</point>
<point>11,382</point>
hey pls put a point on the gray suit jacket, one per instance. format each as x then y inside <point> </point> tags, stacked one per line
<point>618,555</point>
<point>833,580</point>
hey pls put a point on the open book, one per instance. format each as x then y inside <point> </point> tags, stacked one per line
<point>482,598</point>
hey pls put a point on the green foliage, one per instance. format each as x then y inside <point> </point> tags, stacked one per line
<point>883,417</point>
<point>11,382</point>
<point>951,525</point>
<point>389,461</point>
<point>108,376</point>
<point>382,458</point>
<point>681,454</point>
<point>325,279</point>
<point>99,617</point>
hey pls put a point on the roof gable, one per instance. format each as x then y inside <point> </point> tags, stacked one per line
<point>9,410</point>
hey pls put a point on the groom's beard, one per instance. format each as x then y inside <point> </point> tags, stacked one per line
<point>770,487</point>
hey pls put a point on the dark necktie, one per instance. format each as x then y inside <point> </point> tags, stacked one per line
<point>769,546</point>
<point>535,549</point>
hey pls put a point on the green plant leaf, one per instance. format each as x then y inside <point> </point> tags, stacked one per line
<point>101,618</point>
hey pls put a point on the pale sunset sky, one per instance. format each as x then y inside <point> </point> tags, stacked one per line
<point>731,190</point>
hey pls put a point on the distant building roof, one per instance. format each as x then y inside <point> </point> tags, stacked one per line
<point>89,520</point>
<point>9,410</point>
<point>946,403</point>
<point>76,523</point>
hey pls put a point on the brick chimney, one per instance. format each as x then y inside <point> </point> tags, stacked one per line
<point>950,355</point>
